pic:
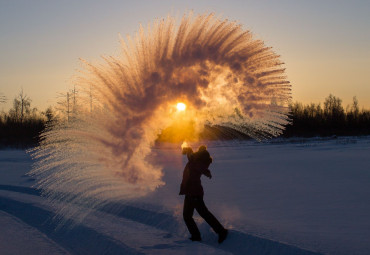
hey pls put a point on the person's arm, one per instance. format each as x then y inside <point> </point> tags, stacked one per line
<point>207,173</point>
<point>188,151</point>
<point>207,161</point>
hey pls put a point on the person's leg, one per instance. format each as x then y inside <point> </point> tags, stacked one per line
<point>188,218</point>
<point>208,216</point>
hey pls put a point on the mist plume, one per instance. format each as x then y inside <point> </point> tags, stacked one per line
<point>224,76</point>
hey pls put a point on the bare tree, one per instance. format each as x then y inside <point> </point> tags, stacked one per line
<point>333,107</point>
<point>65,104</point>
<point>355,107</point>
<point>21,107</point>
<point>25,103</point>
<point>49,113</point>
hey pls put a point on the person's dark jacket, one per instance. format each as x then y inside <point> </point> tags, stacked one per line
<point>198,164</point>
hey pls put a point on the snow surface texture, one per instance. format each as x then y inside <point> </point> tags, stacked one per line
<point>275,197</point>
<point>224,76</point>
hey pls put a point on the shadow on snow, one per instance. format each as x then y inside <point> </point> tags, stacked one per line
<point>81,239</point>
<point>78,240</point>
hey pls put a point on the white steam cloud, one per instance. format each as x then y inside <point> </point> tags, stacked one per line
<point>224,76</point>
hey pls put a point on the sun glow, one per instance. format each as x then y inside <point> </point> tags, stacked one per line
<point>181,107</point>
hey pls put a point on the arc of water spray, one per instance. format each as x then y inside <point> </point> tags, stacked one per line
<point>225,77</point>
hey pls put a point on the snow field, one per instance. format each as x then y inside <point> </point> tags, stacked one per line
<point>275,197</point>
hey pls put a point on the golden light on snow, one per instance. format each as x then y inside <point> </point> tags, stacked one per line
<point>181,107</point>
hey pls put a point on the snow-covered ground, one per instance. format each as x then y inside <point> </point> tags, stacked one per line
<point>297,196</point>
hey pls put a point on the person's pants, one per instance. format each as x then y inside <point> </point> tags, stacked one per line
<point>196,202</point>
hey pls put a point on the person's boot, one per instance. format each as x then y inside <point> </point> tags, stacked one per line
<point>222,235</point>
<point>195,238</point>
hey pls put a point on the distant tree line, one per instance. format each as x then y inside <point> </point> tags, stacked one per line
<point>21,125</point>
<point>328,120</point>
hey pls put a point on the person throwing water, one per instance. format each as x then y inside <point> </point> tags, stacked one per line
<point>191,187</point>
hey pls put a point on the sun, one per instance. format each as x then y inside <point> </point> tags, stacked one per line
<point>181,107</point>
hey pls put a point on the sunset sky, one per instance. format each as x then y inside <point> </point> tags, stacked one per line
<point>325,44</point>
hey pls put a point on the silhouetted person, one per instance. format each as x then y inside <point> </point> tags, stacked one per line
<point>191,187</point>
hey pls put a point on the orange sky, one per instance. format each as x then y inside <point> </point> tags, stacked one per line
<point>325,45</point>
